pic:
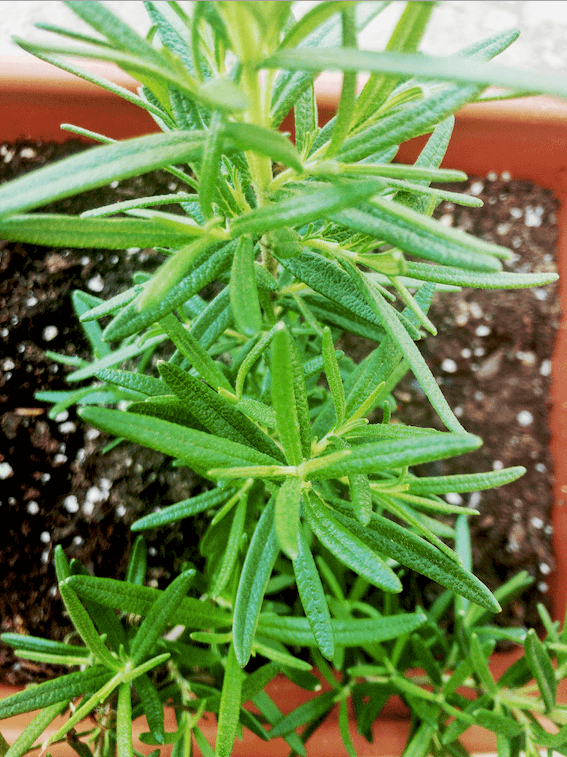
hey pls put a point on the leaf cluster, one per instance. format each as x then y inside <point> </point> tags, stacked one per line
<point>316,515</point>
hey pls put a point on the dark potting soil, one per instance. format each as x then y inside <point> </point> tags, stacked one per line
<point>57,488</point>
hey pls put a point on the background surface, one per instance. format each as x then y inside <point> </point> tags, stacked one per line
<point>542,45</point>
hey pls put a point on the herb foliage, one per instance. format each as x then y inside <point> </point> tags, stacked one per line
<point>305,240</point>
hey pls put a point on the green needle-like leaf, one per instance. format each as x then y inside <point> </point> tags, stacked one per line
<point>216,414</point>
<point>152,705</point>
<point>392,540</point>
<point>287,516</point>
<point>449,68</point>
<point>229,709</point>
<point>265,141</point>
<point>60,689</point>
<point>306,207</point>
<point>347,547</point>
<point>159,617</point>
<point>541,668</point>
<point>283,397</point>
<point>313,598</point>
<point>334,377</point>
<point>395,453</point>
<point>99,166</point>
<point>244,289</point>
<point>106,233</point>
<point>256,572</point>
<point>139,600</point>
<point>311,710</point>
<point>124,743</point>
<point>195,448</point>
<point>184,509</point>
<point>85,628</point>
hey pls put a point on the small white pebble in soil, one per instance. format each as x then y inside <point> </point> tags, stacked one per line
<point>21,348</point>
<point>77,541</point>
<point>62,416</point>
<point>545,368</point>
<point>527,358</point>
<point>479,351</point>
<point>132,250</point>
<point>6,471</point>
<point>53,591</point>
<point>474,499</point>
<point>68,427</point>
<point>59,459</point>
<point>94,494</point>
<point>516,242</point>
<point>114,259</point>
<point>448,365</point>
<point>540,468</point>
<point>459,411</point>
<point>121,511</point>
<point>92,433</point>
<point>4,332</point>
<point>49,333</point>
<point>533,216</point>
<point>105,484</point>
<point>505,176</point>
<point>9,364</point>
<point>71,504</point>
<point>502,228</point>
<point>466,353</point>
<point>540,294</point>
<point>476,188</point>
<point>548,530</point>
<point>516,213</point>
<point>152,551</point>
<point>28,153</point>
<point>81,455</point>
<point>476,310</point>
<point>497,465</point>
<point>446,219</point>
<point>525,418</point>
<point>45,556</point>
<point>85,260</point>
<point>543,587</point>
<point>479,396</point>
<point>96,284</point>
<point>483,330</point>
<point>88,508</point>
<point>14,320</point>
<point>113,184</point>
<point>544,568</point>
<point>53,368</point>
<point>536,522</point>
<point>45,537</point>
<point>8,375</point>
<point>492,176</point>
<point>31,301</point>
<point>32,508</point>
<point>172,186</point>
<point>45,477</point>
<point>454,499</point>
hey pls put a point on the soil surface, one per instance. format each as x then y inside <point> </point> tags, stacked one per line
<point>492,360</point>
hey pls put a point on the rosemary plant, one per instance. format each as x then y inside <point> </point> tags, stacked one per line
<point>305,239</point>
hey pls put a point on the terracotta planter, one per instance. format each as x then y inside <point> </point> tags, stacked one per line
<point>527,137</point>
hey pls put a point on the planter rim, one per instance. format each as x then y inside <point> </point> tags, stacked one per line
<point>500,130</point>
